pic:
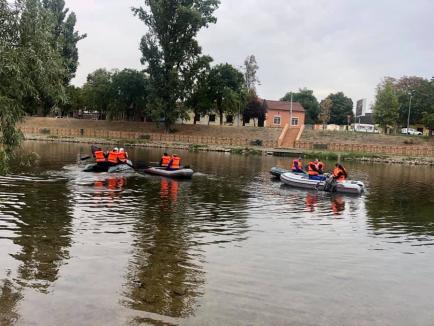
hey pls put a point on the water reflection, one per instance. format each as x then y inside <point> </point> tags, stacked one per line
<point>10,297</point>
<point>400,203</point>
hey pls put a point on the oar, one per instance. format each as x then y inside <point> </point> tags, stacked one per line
<point>84,158</point>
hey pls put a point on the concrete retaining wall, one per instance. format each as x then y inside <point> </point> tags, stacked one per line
<point>410,150</point>
<point>106,134</point>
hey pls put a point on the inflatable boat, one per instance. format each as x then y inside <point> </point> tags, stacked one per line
<point>303,181</point>
<point>108,167</point>
<point>182,173</point>
<point>277,172</point>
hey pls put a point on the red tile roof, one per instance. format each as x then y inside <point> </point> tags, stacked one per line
<point>283,106</point>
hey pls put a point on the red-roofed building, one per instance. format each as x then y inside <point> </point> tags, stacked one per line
<point>279,114</point>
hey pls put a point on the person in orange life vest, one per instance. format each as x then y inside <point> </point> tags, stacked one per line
<point>165,160</point>
<point>175,163</point>
<point>297,165</point>
<point>122,155</point>
<point>99,156</point>
<point>339,173</point>
<point>321,167</point>
<point>313,171</point>
<point>113,156</point>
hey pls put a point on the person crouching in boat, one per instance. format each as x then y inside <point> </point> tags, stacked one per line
<point>339,173</point>
<point>122,156</point>
<point>297,166</point>
<point>175,163</point>
<point>313,171</point>
<point>165,160</point>
<point>113,156</point>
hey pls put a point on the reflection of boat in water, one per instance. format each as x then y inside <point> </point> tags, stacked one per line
<point>303,181</point>
<point>109,167</point>
<point>182,173</point>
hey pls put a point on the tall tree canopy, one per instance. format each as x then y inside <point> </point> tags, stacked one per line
<point>225,89</point>
<point>65,36</point>
<point>170,50</point>
<point>341,109</point>
<point>250,73</point>
<point>309,102</point>
<point>386,107</point>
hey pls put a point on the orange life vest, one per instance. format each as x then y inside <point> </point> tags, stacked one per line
<point>122,156</point>
<point>299,164</point>
<point>339,174</point>
<point>176,162</point>
<point>113,157</point>
<point>312,169</point>
<point>321,166</point>
<point>165,160</point>
<point>99,156</point>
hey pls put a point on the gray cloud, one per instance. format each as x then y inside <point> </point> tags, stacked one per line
<point>328,46</point>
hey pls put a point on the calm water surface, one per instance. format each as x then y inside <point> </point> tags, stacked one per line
<point>230,247</point>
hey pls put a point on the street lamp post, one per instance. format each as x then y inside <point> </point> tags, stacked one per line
<point>409,112</point>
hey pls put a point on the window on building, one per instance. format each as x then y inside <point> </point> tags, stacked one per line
<point>294,121</point>
<point>212,118</point>
<point>277,120</point>
<point>230,119</point>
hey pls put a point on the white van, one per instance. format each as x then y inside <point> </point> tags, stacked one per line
<point>360,127</point>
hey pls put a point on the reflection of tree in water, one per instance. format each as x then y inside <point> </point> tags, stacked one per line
<point>9,299</point>
<point>165,275</point>
<point>44,234</point>
<point>400,200</point>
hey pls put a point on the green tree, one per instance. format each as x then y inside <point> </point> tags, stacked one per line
<point>170,50</point>
<point>428,121</point>
<point>74,100</point>
<point>309,102</point>
<point>65,36</point>
<point>341,109</point>
<point>325,111</point>
<point>43,65</point>
<point>97,91</point>
<point>225,89</point>
<point>13,82</point>
<point>129,92</point>
<point>386,107</point>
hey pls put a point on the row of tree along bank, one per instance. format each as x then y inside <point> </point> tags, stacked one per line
<point>405,101</point>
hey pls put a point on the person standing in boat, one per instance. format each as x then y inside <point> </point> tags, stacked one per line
<point>297,166</point>
<point>165,160</point>
<point>339,173</point>
<point>313,171</point>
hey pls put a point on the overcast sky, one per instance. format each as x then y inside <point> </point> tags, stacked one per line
<point>324,45</point>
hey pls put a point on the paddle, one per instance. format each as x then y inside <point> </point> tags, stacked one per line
<point>84,158</point>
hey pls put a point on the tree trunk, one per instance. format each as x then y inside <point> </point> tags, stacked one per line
<point>221,117</point>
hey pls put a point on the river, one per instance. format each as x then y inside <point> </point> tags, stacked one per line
<point>230,247</point>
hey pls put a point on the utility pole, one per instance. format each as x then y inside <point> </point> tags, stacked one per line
<point>409,112</point>
<point>290,122</point>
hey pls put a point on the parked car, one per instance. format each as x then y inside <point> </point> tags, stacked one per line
<point>410,131</point>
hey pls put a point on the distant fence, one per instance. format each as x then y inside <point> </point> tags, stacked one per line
<point>106,134</point>
<point>409,150</point>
